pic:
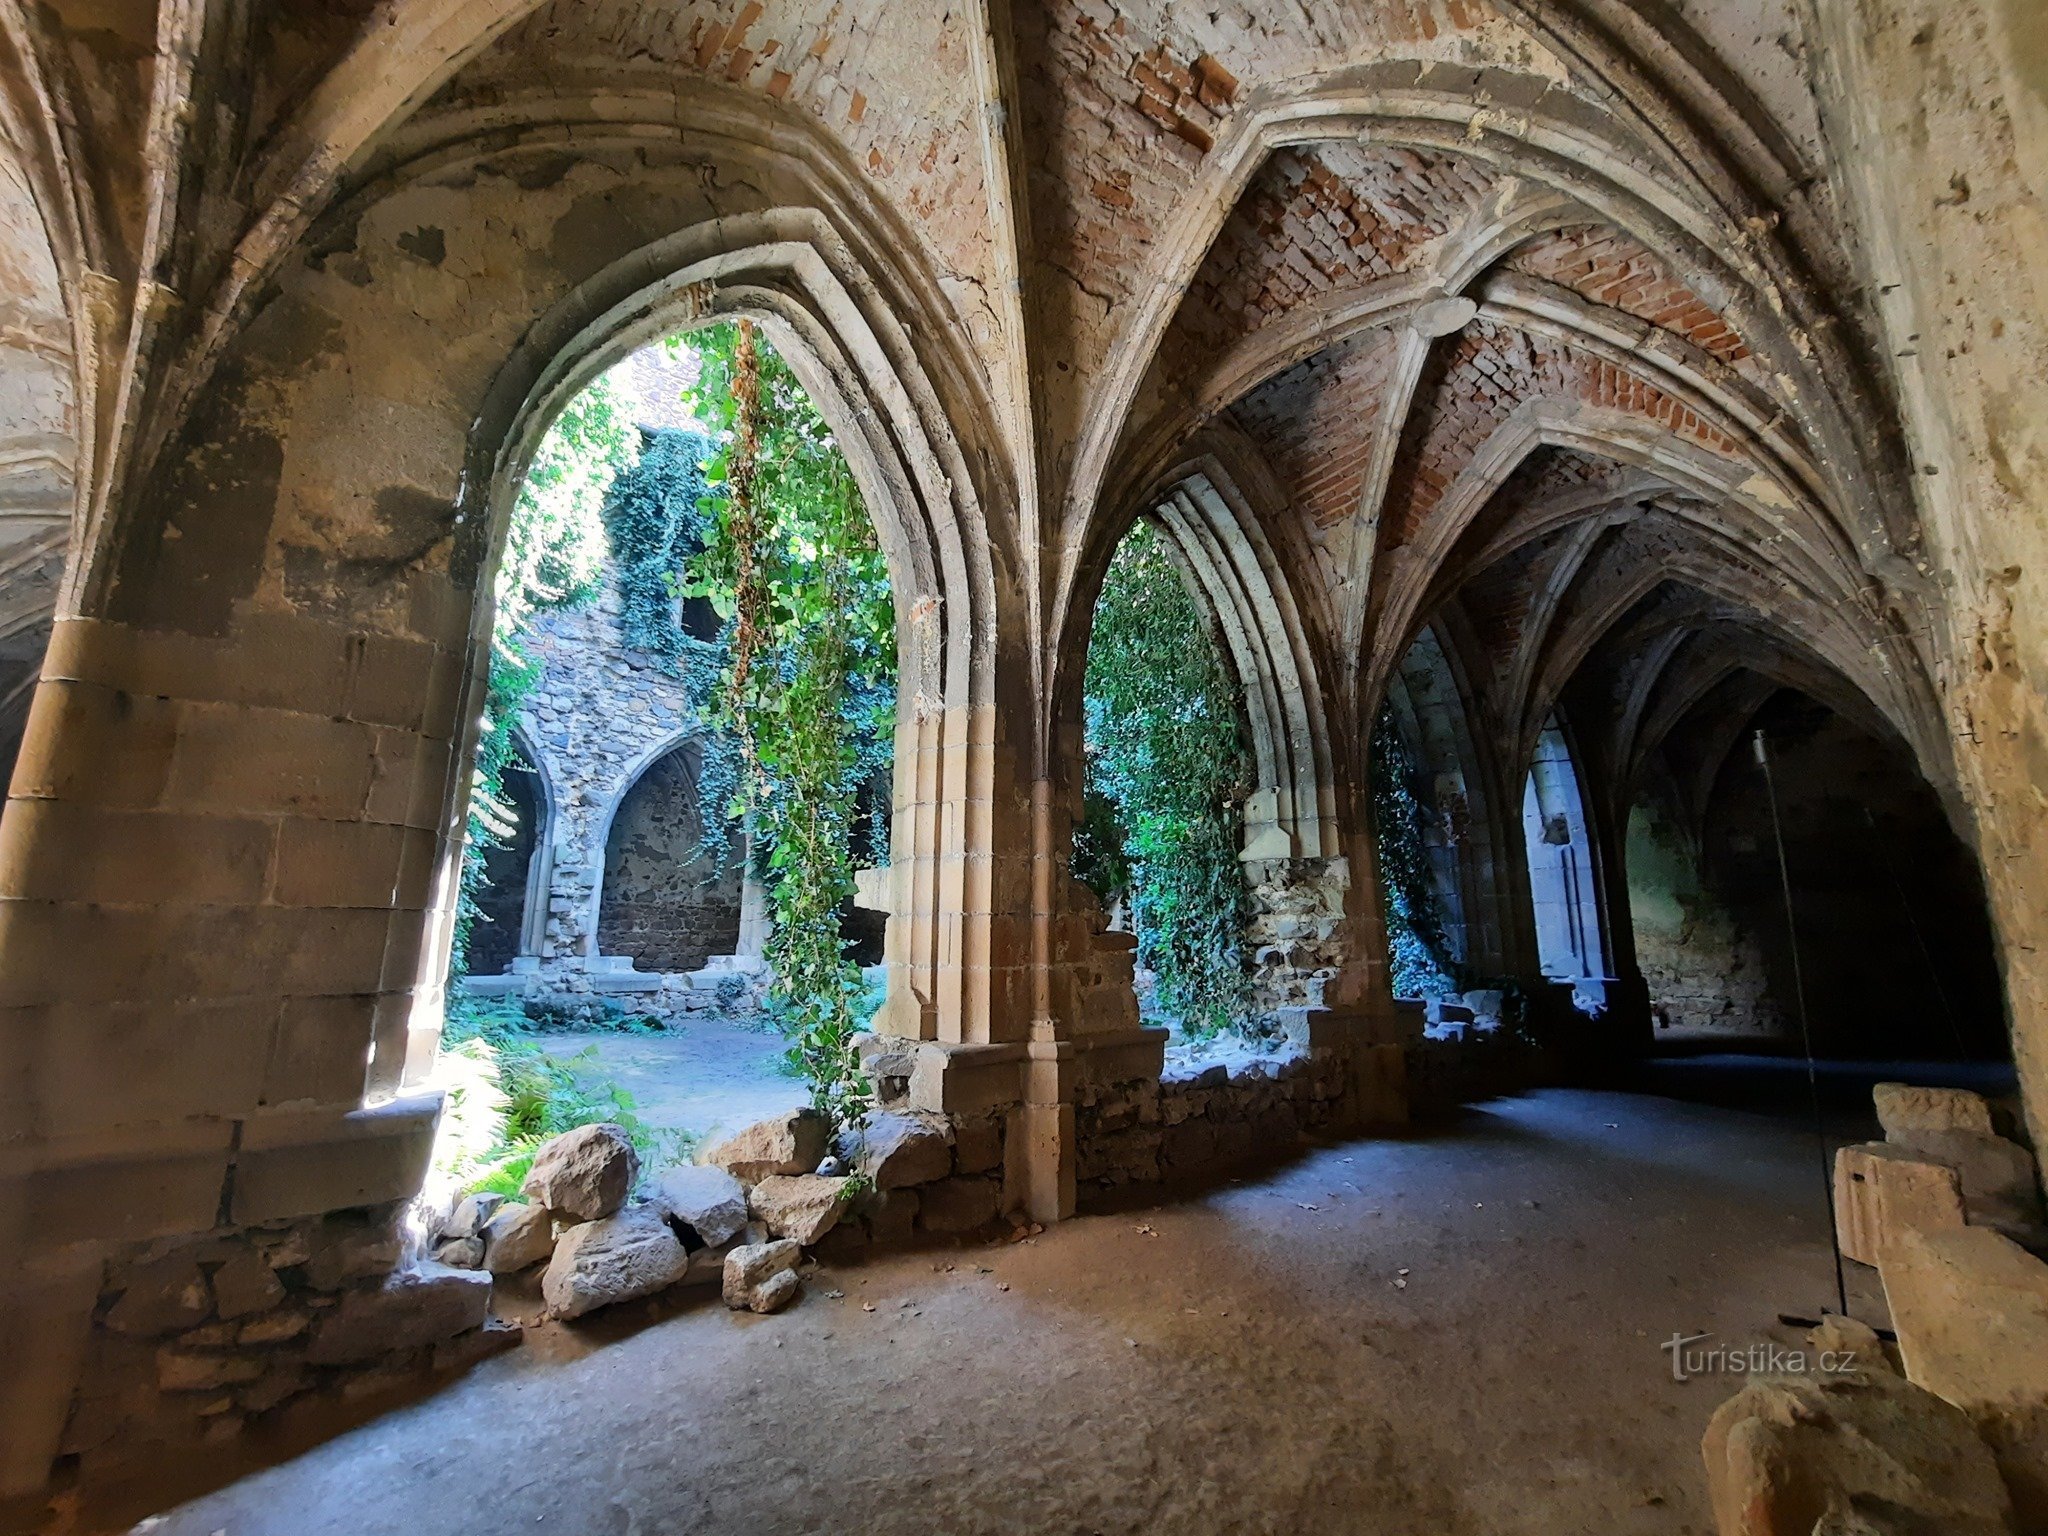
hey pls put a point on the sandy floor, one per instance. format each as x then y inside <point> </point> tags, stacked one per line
<point>705,1076</point>
<point>1448,1334</point>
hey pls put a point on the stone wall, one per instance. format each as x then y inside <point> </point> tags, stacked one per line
<point>610,826</point>
<point>1705,971</point>
<point>195,1337</point>
<point>1198,1119</point>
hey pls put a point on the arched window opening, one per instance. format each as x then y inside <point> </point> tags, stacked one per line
<point>653,687</point>
<point>1166,778</point>
<point>1562,879</point>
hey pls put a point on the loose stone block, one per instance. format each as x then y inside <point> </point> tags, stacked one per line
<point>1904,1110</point>
<point>1998,1177</point>
<point>752,1264</point>
<point>803,1207</point>
<point>1881,1190</point>
<point>774,1293</point>
<point>1971,1310</point>
<point>710,1201</point>
<point>615,1259</point>
<point>897,1151</point>
<point>518,1236</point>
<point>1787,1449</point>
<point>789,1143</point>
<point>585,1173</point>
<point>413,1307</point>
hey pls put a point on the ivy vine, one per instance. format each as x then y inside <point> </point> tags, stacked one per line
<point>803,680</point>
<point>1418,950</point>
<point>1166,779</point>
<point>653,524</point>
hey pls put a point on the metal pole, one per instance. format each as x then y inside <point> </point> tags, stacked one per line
<point>1820,1133</point>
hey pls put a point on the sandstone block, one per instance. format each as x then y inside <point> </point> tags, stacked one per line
<point>1881,1190</point>
<point>890,1214</point>
<point>709,1200</point>
<point>1904,1110</point>
<point>1999,1188</point>
<point>518,1236</point>
<point>977,1146</point>
<point>751,1264</point>
<point>617,1258</point>
<point>1796,1455</point>
<point>1971,1310</point>
<point>275,1328</point>
<point>774,1293</point>
<point>958,1205</point>
<point>585,1173</point>
<point>899,1150</point>
<point>412,1307</point>
<point>789,1143</point>
<point>803,1207</point>
<point>460,1252</point>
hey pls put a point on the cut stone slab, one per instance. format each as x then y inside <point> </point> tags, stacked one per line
<point>1798,1455</point>
<point>897,1150</point>
<point>413,1307</point>
<point>1904,1110</point>
<point>749,1265</point>
<point>802,1207</point>
<point>1881,1190</point>
<point>1999,1188</point>
<point>618,1258</point>
<point>1971,1311</point>
<point>585,1173</point>
<point>708,1200</point>
<point>518,1236</point>
<point>789,1143</point>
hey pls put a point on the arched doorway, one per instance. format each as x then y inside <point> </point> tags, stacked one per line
<point>664,901</point>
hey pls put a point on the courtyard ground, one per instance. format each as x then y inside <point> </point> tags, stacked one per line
<point>705,1075</point>
<point>1453,1332</point>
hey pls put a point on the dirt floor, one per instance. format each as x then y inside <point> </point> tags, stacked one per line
<point>1451,1333</point>
<point>706,1075</point>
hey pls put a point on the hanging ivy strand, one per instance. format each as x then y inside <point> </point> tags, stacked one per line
<point>1418,952</point>
<point>806,678</point>
<point>1166,781</point>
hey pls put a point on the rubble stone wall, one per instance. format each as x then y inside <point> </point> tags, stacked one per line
<point>195,1337</point>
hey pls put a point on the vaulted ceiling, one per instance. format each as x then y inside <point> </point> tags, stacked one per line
<point>1527,311</point>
